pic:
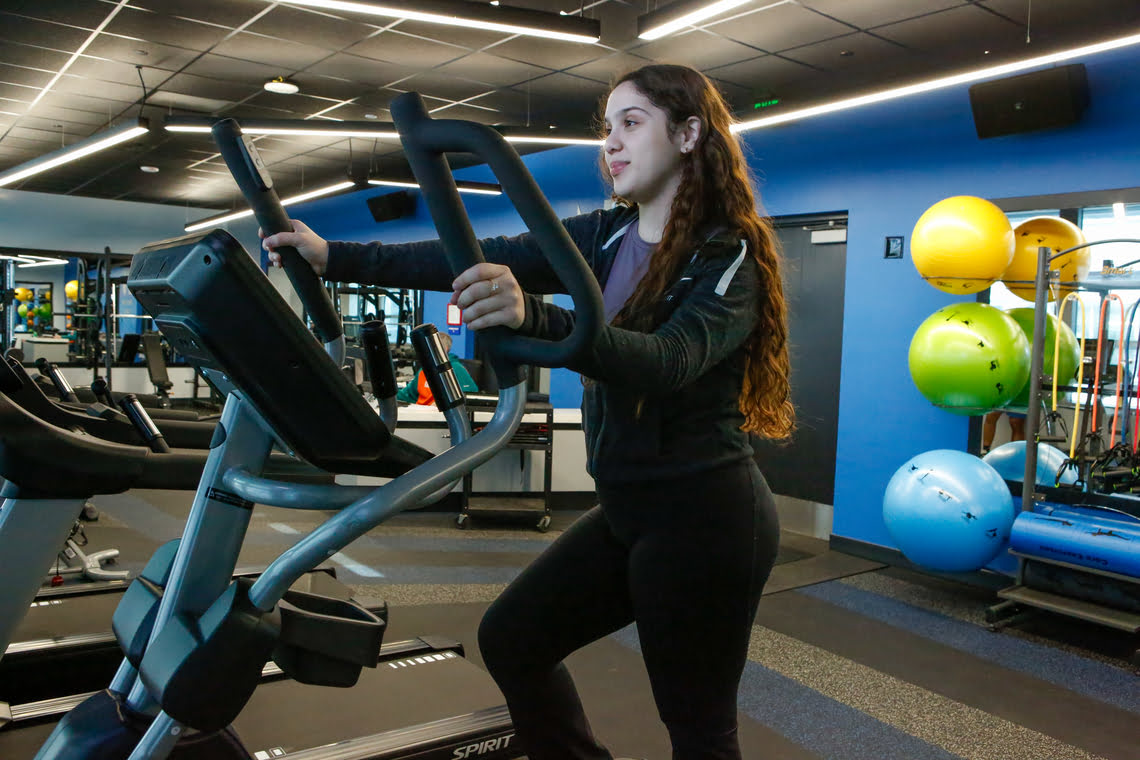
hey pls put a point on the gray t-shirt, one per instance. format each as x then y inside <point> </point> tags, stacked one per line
<point>630,265</point>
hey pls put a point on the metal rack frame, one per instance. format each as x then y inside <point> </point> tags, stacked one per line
<point>1018,595</point>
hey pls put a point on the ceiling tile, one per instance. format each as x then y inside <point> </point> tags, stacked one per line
<point>365,71</point>
<point>74,121</point>
<point>564,93</point>
<point>98,70</point>
<point>778,28</point>
<point>166,30</point>
<point>24,76</point>
<point>696,48</point>
<point>91,104</point>
<point>356,112</point>
<point>234,70</point>
<point>331,88</point>
<point>140,52</point>
<point>611,67</point>
<point>511,105</point>
<point>473,39</point>
<point>286,56</point>
<point>20,30</point>
<point>466,113</point>
<point>11,95</point>
<point>82,13</point>
<point>397,47</point>
<point>868,13</point>
<point>496,71</point>
<point>852,52</point>
<point>300,104</point>
<point>437,84</point>
<point>312,27</point>
<point>109,90</point>
<point>553,54</point>
<point>966,29</point>
<point>227,13</point>
<point>32,57</point>
<point>211,87</point>
<point>766,73</point>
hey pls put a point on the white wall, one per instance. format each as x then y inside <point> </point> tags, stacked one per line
<point>72,223</point>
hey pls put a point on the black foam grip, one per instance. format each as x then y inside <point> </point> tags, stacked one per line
<point>249,173</point>
<point>436,367</point>
<point>53,373</point>
<point>378,354</point>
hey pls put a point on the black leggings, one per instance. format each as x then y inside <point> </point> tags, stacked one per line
<point>686,558</point>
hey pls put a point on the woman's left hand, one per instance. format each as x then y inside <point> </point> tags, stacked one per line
<point>489,295</point>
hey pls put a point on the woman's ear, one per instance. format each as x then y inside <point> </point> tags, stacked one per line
<point>690,133</point>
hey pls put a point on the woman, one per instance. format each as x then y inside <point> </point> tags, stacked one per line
<point>694,358</point>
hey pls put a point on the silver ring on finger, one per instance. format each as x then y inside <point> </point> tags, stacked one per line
<point>494,286</point>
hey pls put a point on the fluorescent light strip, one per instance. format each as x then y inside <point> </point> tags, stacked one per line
<point>316,132</point>
<point>937,84</point>
<point>289,131</point>
<point>204,223</point>
<point>380,134</point>
<point>459,186</point>
<point>71,153</point>
<point>51,263</point>
<point>445,18</point>
<point>553,140</point>
<point>700,14</point>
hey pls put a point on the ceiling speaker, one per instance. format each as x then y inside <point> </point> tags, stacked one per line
<point>1046,99</point>
<point>391,206</point>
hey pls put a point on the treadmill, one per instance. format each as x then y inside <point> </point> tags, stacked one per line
<point>198,644</point>
<point>57,641</point>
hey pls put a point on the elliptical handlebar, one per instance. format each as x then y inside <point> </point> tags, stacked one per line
<point>425,141</point>
<point>256,185</point>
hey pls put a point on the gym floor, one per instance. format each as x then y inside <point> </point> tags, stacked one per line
<point>849,660</point>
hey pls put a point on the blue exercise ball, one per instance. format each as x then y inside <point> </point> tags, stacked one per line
<point>1009,461</point>
<point>948,511</point>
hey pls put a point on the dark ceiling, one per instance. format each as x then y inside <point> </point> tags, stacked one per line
<point>211,57</point>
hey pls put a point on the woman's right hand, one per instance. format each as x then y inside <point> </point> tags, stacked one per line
<point>312,247</point>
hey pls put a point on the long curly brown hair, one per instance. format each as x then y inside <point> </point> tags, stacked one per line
<point>716,190</point>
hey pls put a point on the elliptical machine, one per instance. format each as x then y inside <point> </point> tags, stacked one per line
<point>195,641</point>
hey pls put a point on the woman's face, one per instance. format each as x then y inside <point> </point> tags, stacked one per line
<point>644,159</point>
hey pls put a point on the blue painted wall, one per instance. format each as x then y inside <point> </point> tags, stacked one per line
<point>883,165</point>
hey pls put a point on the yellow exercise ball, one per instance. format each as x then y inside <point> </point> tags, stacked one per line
<point>962,244</point>
<point>1058,235</point>
<point>22,294</point>
<point>71,289</point>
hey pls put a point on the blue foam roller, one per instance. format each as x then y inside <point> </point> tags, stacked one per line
<point>1067,536</point>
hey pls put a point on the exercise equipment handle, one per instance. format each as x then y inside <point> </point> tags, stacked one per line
<point>425,141</point>
<point>138,416</point>
<point>437,369</point>
<point>378,355</point>
<point>256,185</point>
<point>53,373</point>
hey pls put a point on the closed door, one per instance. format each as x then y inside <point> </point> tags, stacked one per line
<point>814,273</point>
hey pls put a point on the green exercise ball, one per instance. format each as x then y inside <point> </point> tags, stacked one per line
<point>22,310</point>
<point>969,358</point>
<point>1070,357</point>
<point>44,311</point>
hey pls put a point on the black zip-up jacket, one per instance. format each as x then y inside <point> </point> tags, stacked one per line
<point>656,404</point>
